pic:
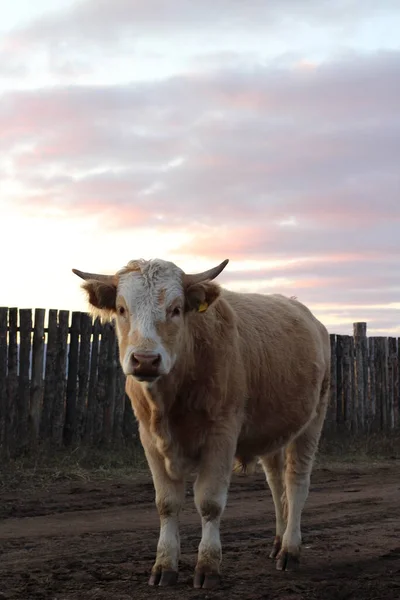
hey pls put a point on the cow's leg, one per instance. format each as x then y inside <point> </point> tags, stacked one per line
<point>300,455</point>
<point>170,495</point>
<point>210,495</point>
<point>273,465</point>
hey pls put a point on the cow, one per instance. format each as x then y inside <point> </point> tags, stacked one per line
<point>217,378</point>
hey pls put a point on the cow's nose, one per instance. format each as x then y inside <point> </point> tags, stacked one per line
<point>145,365</point>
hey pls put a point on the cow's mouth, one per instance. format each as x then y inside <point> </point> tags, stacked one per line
<point>147,378</point>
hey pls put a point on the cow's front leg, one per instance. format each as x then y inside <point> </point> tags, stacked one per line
<point>210,494</point>
<point>170,495</point>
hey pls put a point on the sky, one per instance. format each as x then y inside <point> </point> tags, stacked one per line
<point>263,132</point>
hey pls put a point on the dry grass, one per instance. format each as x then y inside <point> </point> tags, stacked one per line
<point>84,463</point>
<point>348,447</point>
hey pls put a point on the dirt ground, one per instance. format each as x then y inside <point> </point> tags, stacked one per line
<point>96,540</point>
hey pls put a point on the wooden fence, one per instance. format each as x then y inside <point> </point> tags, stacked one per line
<point>63,383</point>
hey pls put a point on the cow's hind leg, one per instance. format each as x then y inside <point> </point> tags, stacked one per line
<point>273,465</point>
<point>300,455</point>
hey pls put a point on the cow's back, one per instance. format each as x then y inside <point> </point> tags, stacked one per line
<point>285,352</point>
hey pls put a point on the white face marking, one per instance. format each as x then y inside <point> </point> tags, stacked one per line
<point>148,293</point>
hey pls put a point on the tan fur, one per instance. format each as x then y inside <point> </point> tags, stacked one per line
<point>251,379</point>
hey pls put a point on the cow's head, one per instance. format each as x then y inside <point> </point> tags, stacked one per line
<point>149,301</point>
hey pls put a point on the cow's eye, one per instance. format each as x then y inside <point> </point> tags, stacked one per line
<point>176,311</point>
<point>121,310</point>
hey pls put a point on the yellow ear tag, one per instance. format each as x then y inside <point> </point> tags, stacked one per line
<point>203,307</point>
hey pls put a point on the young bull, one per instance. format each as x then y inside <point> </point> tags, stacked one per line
<point>215,375</point>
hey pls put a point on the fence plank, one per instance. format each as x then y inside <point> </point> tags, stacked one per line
<point>377,424</point>
<point>12,381</point>
<point>347,382</point>
<point>91,405</point>
<point>397,394</point>
<point>37,374</point>
<point>3,374</point>
<point>371,405</point>
<point>83,376</point>
<point>364,354</point>
<point>392,375</point>
<point>50,376</point>
<point>381,379</point>
<point>340,416</point>
<point>111,382</point>
<point>101,384</point>
<point>24,391</point>
<point>385,381</point>
<point>360,345</point>
<point>330,421</point>
<point>353,418</point>
<point>58,416</point>
<point>72,381</point>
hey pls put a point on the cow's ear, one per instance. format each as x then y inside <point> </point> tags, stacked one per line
<point>101,297</point>
<point>101,291</point>
<point>200,296</point>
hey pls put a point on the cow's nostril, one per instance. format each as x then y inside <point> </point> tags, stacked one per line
<point>135,361</point>
<point>156,361</point>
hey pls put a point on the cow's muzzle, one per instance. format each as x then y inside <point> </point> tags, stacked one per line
<point>145,366</point>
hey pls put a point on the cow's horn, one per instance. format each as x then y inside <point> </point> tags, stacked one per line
<point>95,276</point>
<point>191,279</point>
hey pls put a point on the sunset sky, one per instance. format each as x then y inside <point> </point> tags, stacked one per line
<point>263,132</point>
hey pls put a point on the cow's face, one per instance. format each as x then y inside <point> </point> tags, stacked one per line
<point>149,301</point>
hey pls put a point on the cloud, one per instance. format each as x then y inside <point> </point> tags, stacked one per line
<point>262,146</point>
<point>63,42</point>
<point>105,20</point>
<point>289,159</point>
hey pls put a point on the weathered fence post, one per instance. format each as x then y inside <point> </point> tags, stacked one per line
<point>50,376</point>
<point>72,381</point>
<point>371,406</point>
<point>91,403</point>
<point>24,392</point>
<point>101,385</point>
<point>111,381</point>
<point>397,391</point>
<point>58,418</point>
<point>12,380</point>
<point>381,383</point>
<point>392,379</point>
<point>331,415</point>
<point>340,415</point>
<point>37,374</point>
<point>361,374</point>
<point>347,381</point>
<point>83,376</point>
<point>3,374</point>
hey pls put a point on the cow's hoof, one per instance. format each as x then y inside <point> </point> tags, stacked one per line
<point>287,561</point>
<point>163,578</point>
<point>207,581</point>
<point>276,547</point>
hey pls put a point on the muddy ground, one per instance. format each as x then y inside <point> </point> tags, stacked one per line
<point>96,540</point>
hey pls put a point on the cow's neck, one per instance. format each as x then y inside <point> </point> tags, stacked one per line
<point>160,398</point>
<point>169,401</point>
